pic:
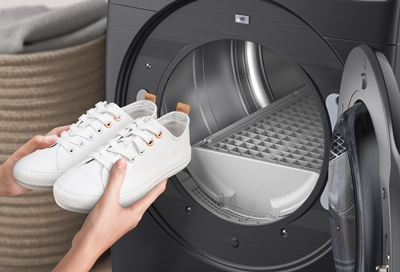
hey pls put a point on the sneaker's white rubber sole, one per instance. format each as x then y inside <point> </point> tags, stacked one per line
<point>35,181</point>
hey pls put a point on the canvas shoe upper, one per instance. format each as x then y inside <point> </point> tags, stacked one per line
<point>40,169</point>
<point>154,150</point>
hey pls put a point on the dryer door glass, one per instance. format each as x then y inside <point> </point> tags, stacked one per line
<point>354,200</point>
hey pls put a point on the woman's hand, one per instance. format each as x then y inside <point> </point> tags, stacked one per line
<point>8,186</point>
<point>106,223</point>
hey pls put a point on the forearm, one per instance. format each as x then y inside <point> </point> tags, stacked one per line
<point>81,257</point>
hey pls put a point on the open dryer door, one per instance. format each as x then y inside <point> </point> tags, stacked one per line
<point>364,166</point>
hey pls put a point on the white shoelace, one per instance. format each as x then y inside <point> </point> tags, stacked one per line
<point>95,118</point>
<point>139,134</point>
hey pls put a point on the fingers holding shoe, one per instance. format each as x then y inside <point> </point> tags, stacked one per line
<point>38,142</point>
<point>8,186</point>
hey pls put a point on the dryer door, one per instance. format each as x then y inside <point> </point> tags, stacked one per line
<point>364,165</point>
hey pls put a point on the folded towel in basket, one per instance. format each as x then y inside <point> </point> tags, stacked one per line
<point>29,29</point>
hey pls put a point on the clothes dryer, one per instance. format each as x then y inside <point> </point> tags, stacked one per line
<point>263,79</point>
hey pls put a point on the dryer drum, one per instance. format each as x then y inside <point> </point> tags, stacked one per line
<point>250,200</point>
<point>256,131</point>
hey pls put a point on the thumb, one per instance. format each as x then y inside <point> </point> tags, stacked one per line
<point>37,142</point>
<point>116,180</point>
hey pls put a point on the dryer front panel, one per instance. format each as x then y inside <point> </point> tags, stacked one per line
<point>257,78</point>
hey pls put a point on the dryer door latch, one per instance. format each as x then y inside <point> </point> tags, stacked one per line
<point>382,268</point>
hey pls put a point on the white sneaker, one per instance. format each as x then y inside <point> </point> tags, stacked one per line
<point>154,150</point>
<point>40,169</point>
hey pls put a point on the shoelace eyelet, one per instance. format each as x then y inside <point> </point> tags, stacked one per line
<point>150,143</point>
<point>108,125</point>
<point>81,144</point>
<point>159,135</point>
<point>132,160</point>
<point>99,131</point>
<point>117,118</point>
<point>71,151</point>
<point>91,137</point>
<point>141,153</point>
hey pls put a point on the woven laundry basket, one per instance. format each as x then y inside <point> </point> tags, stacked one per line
<point>37,93</point>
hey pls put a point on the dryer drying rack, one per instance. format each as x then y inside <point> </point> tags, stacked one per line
<point>264,166</point>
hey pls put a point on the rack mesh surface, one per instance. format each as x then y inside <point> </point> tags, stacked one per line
<point>291,135</point>
<point>337,146</point>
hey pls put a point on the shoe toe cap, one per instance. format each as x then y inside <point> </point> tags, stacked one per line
<point>77,190</point>
<point>37,162</point>
<point>36,171</point>
<point>80,182</point>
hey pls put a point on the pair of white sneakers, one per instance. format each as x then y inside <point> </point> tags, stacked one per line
<point>78,165</point>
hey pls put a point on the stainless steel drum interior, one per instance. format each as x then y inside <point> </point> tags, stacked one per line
<point>256,132</point>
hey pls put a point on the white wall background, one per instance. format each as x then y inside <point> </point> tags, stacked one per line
<point>49,3</point>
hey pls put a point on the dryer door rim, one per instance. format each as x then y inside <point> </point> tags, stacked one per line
<point>368,79</point>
